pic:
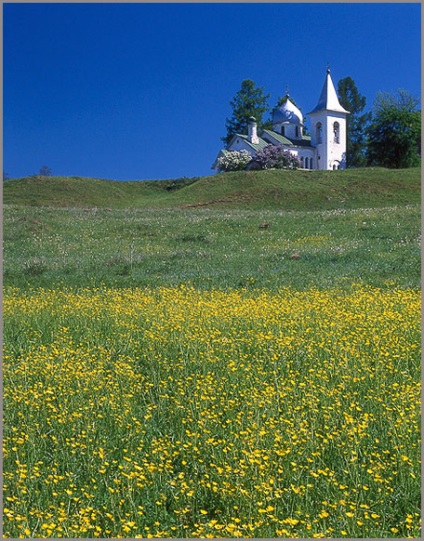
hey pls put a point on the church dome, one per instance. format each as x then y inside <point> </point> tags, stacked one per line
<point>288,112</point>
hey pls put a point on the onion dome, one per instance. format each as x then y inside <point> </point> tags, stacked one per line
<point>287,113</point>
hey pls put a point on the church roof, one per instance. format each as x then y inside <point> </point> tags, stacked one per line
<point>280,138</point>
<point>328,99</point>
<point>287,112</point>
<point>256,146</point>
<point>304,142</point>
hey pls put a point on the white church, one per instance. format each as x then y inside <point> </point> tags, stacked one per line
<point>324,149</point>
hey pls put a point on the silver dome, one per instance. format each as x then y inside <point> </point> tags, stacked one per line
<point>288,112</point>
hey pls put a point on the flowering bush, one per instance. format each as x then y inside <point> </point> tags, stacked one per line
<point>234,160</point>
<point>275,156</point>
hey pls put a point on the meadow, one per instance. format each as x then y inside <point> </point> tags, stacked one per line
<point>224,372</point>
<point>205,247</point>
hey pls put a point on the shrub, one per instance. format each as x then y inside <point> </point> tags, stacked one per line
<point>234,160</point>
<point>274,156</point>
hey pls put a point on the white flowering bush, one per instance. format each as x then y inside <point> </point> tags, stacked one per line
<point>234,160</point>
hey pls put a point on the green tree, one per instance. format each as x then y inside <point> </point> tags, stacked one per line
<point>394,136</point>
<point>356,123</point>
<point>249,101</point>
<point>45,171</point>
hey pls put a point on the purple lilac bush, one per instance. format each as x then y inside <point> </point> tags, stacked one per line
<point>274,156</point>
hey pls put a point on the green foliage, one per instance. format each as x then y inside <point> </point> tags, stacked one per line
<point>352,101</point>
<point>394,136</point>
<point>249,101</point>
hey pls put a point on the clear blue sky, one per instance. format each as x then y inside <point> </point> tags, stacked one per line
<point>142,91</point>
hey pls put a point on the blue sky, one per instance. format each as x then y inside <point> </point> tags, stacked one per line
<point>141,91</point>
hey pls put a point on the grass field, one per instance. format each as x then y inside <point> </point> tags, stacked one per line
<point>210,247</point>
<point>233,369</point>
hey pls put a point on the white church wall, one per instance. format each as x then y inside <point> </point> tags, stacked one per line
<point>331,151</point>
<point>318,138</point>
<point>307,158</point>
<point>240,144</point>
<point>336,146</point>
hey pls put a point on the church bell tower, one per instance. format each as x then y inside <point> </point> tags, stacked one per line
<point>328,128</point>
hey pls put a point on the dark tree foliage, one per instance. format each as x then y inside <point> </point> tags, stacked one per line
<point>249,101</point>
<point>356,123</point>
<point>45,171</point>
<point>394,136</point>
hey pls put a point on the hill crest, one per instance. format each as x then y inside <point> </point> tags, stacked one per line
<point>285,190</point>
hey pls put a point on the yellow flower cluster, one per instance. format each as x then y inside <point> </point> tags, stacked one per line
<point>185,413</point>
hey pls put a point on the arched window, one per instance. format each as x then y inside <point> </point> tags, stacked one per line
<point>319,132</point>
<point>297,131</point>
<point>336,130</point>
<point>306,163</point>
<point>282,130</point>
<point>311,164</point>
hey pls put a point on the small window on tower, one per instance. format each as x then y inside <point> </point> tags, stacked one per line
<point>336,129</point>
<point>282,130</point>
<point>319,132</point>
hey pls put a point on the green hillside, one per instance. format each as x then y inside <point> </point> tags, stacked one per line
<point>289,190</point>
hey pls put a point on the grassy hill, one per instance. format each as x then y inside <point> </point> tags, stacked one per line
<point>285,190</point>
<point>230,230</point>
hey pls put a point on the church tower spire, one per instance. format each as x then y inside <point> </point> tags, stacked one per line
<point>328,99</point>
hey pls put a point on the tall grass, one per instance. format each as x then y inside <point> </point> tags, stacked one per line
<point>181,413</point>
